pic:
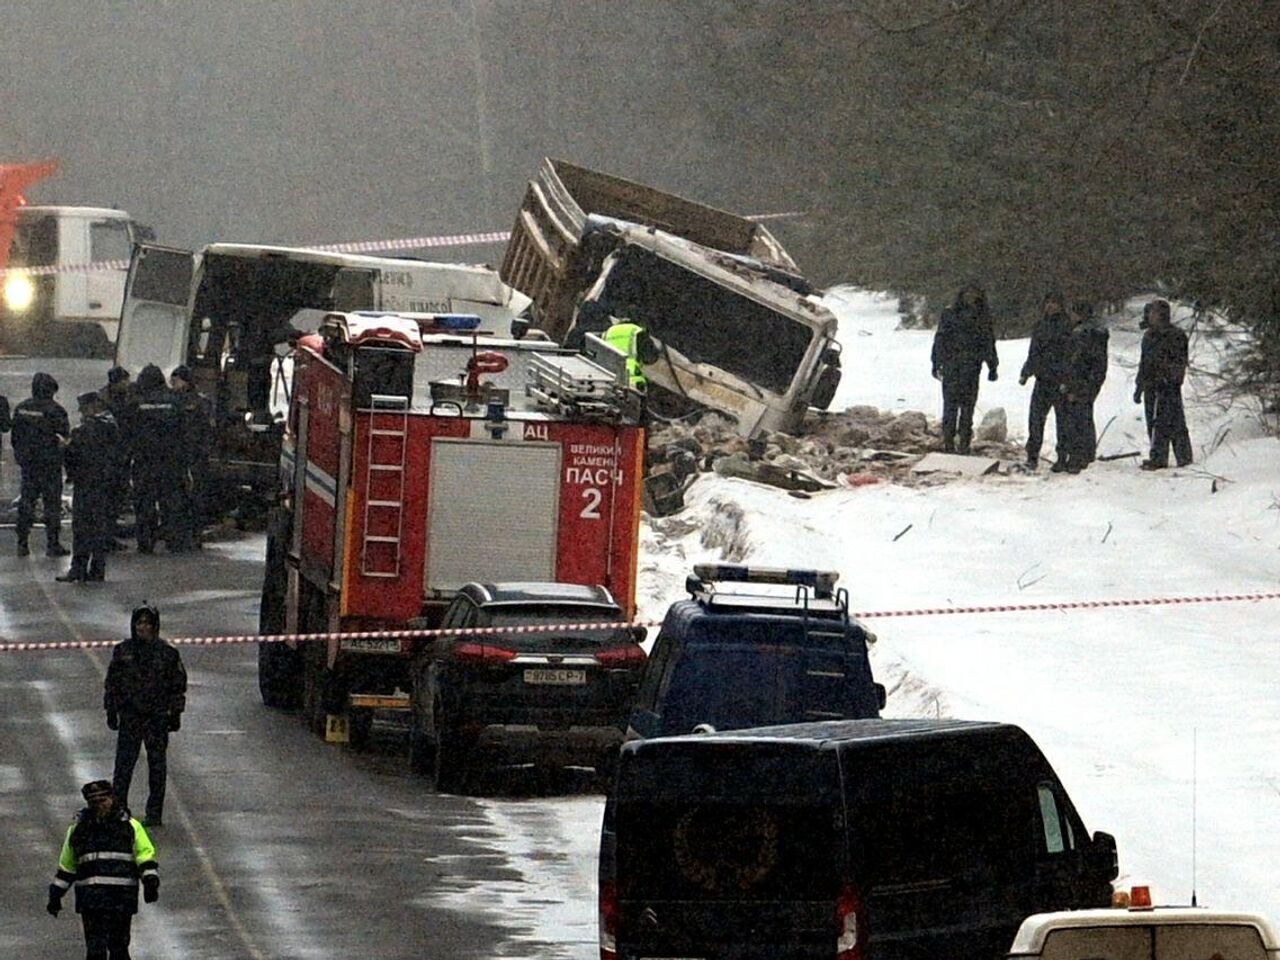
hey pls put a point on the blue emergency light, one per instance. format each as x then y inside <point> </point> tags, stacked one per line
<point>822,582</point>
<point>455,321</point>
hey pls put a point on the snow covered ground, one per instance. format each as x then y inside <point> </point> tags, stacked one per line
<point>1121,700</point>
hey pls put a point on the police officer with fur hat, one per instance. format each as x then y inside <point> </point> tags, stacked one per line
<point>94,463</point>
<point>145,694</point>
<point>40,430</point>
<point>107,855</point>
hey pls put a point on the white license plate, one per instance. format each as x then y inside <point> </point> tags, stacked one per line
<point>559,678</point>
<point>372,646</point>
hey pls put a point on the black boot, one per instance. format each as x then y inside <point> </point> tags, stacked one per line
<point>23,549</point>
<point>75,575</point>
<point>56,549</point>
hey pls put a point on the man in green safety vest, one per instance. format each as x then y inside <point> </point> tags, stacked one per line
<point>632,339</point>
<point>107,856</point>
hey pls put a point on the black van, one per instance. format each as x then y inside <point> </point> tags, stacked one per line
<point>856,840</point>
<point>741,657</point>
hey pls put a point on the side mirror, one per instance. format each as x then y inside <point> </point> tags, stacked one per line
<point>831,357</point>
<point>519,327</point>
<point>1100,856</point>
<point>639,634</point>
<point>882,696</point>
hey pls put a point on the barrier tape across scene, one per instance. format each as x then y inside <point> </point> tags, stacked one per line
<point>426,634</point>
<point>355,246</point>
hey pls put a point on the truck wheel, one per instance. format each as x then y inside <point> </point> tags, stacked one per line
<point>359,727</point>
<point>450,759</point>
<point>422,752</point>
<point>279,674</point>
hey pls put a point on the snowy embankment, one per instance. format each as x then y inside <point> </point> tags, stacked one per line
<point>1115,697</point>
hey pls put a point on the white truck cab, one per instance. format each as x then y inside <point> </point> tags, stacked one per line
<point>1146,933</point>
<point>65,285</point>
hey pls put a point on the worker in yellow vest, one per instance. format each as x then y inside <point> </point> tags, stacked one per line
<point>631,339</point>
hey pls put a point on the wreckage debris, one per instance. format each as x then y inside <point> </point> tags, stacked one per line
<point>859,447</point>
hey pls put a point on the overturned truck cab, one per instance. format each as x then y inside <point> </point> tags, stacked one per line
<point>737,328</point>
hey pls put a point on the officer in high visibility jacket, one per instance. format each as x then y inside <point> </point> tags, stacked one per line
<point>631,339</point>
<point>107,855</point>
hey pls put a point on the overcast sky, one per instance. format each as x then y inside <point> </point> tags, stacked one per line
<point>317,121</point>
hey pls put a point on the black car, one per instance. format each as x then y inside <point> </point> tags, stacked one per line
<point>879,839</point>
<point>547,696</point>
<point>746,657</point>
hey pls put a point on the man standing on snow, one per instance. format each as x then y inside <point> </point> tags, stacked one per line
<point>1161,370</point>
<point>1086,370</point>
<point>107,855</point>
<point>965,340</point>
<point>1047,362</point>
<point>146,692</point>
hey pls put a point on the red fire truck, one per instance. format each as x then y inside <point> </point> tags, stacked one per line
<point>419,455</point>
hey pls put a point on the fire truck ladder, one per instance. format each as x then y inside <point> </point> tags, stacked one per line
<point>573,384</point>
<point>388,440</point>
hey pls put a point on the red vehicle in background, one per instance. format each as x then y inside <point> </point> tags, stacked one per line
<point>420,455</point>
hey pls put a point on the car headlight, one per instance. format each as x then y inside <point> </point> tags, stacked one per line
<point>19,292</point>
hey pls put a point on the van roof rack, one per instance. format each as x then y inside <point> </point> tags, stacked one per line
<point>705,575</point>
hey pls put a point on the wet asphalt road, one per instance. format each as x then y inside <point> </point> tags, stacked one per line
<point>275,845</point>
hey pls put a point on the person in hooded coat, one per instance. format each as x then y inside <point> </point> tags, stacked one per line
<point>156,426</point>
<point>40,431</point>
<point>1161,370</point>
<point>1086,371</point>
<point>144,696</point>
<point>94,461</point>
<point>964,341</point>
<point>1047,362</point>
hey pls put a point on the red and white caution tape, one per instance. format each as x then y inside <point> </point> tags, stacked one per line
<point>1070,605</point>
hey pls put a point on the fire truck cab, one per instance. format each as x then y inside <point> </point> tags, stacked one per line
<point>421,454</point>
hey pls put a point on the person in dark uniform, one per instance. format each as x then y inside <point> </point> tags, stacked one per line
<point>107,855</point>
<point>155,422</point>
<point>1161,370</point>
<point>145,694</point>
<point>1148,399</point>
<point>197,442</point>
<point>1046,361</point>
<point>93,461</point>
<point>1086,371</point>
<point>964,341</point>
<point>118,395</point>
<point>40,430</point>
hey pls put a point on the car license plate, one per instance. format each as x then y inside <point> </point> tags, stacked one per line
<point>372,646</point>
<point>559,678</point>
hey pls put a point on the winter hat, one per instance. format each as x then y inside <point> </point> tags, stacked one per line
<point>183,373</point>
<point>116,375</point>
<point>150,378</point>
<point>96,790</point>
<point>43,386</point>
<point>89,398</point>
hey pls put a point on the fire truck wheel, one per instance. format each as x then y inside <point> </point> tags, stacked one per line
<point>359,727</point>
<point>313,706</point>
<point>278,676</point>
<point>421,751</point>
<point>450,760</point>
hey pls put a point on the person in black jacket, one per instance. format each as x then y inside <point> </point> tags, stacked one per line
<point>93,461</point>
<point>155,426</point>
<point>40,430</point>
<point>1086,371</point>
<point>1047,362</point>
<point>964,341</point>
<point>1161,370</point>
<point>197,442</point>
<point>145,694</point>
<point>107,855</point>
<point>119,397</point>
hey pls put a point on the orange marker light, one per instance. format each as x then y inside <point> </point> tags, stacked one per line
<point>1140,898</point>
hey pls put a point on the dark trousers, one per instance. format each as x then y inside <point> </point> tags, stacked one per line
<point>1045,396</point>
<point>1170,427</point>
<point>106,934</point>
<point>1076,440</point>
<point>133,736</point>
<point>160,504</point>
<point>1149,411</point>
<point>959,396</point>
<point>92,530</point>
<point>43,483</point>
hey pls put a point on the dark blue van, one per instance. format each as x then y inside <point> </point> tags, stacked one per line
<point>745,657</point>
